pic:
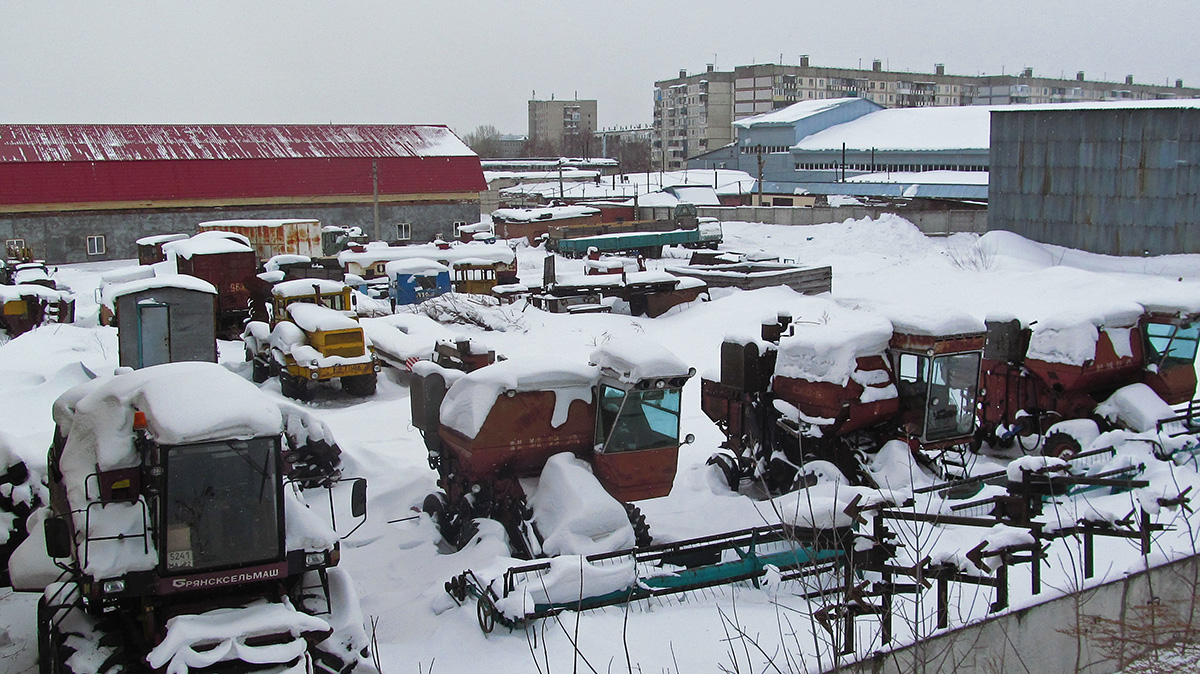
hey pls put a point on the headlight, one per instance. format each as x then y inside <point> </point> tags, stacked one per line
<point>314,559</point>
<point>376,367</point>
<point>315,374</point>
<point>113,586</point>
<point>313,363</point>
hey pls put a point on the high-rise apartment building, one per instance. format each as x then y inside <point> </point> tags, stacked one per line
<point>563,128</point>
<point>693,114</point>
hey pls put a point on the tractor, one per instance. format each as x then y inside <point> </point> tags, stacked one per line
<point>313,336</point>
<point>178,541</point>
<point>495,429</point>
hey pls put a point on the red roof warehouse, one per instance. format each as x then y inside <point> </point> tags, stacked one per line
<point>62,186</point>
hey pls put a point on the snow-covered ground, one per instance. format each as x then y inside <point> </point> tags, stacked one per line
<point>399,570</point>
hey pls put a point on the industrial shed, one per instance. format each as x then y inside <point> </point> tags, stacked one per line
<point>1113,178</point>
<point>77,193</point>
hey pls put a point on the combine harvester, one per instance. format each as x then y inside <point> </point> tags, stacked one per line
<point>182,546</point>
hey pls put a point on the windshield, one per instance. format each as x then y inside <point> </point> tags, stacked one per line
<point>633,420</point>
<point>944,387</point>
<point>1166,342</point>
<point>221,505</point>
<point>336,301</point>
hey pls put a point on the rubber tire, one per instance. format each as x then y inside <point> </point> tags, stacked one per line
<point>725,464</point>
<point>361,386</point>
<point>259,371</point>
<point>641,530</point>
<point>295,387</point>
<point>435,506</point>
<point>1061,446</point>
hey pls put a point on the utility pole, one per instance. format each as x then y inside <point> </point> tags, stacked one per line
<point>375,192</point>
<point>760,182</point>
<point>560,184</point>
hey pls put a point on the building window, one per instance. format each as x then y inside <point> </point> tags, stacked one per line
<point>95,245</point>
<point>404,231</point>
<point>458,225</point>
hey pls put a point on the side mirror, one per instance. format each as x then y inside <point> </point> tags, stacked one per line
<point>358,498</point>
<point>688,439</point>
<point>58,537</point>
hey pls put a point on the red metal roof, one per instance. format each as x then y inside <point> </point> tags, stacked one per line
<point>27,143</point>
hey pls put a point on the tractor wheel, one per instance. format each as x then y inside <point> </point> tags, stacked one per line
<point>1061,445</point>
<point>259,371</point>
<point>435,506</point>
<point>641,530</point>
<point>295,387</point>
<point>362,386</point>
<point>728,467</point>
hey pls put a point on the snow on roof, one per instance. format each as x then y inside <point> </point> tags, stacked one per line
<point>792,113</point>
<point>287,258</point>
<point>827,340</point>
<point>911,319</point>
<point>537,214</point>
<point>416,266</point>
<point>633,359</point>
<point>700,195</point>
<point>923,177</point>
<point>399,337</point>
<point>110,293</point>
<point>1070,336</point>
<point>15,292</point>
<point>469,401</point>
<point>212,242</point>
<point>160,238</point>
<point>153,142</point>
<point>313,318</point>
<point>305,286</point>
<point>218,224</point>
<point>958,127</point>
<point>1189,103</point>
<point>492,252</point>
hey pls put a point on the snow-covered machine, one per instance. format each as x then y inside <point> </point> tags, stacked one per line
<point>181,544</point>
<point>227,261</point>
<point>313,336</point>
<point>835,382</point>
<point>494,429</point>
<point>1060,369</point>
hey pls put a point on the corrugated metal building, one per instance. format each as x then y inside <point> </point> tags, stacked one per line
<point>1114,178</point>
<point>87,192</point>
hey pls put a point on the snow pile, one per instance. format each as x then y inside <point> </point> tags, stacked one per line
<point>633,359</point>
<point>894,467</point>
<point>307,286</point>
<point>1039,465</point>
<point>189,637</point>
<point>547,213</point>
<point>1070,337</point>
<point>207,243</point>
<point>570,578</point>
<point>827,504</point>
<point>1136,407</point>
<point>929,321</point>
<point>401,338</point>
<point>574,514</point>
<point>827,341</point>
<point>306,530</point>
<point>314,318</point>
<point>286,259</point>
<point>469,401</point>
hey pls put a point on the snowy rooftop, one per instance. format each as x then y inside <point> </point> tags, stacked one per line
<point>217,224</point>
<point>923,177</point>
<point>305,286</point>
<point>935,128</point>
<point>469,401</point>
<point>632,359</point>
<point>417,266</point>
<point>212,242</point>
<point>1190,103</point>
<point>111,292</point>
<point>160,238</point>
<point>792,113</point>
<point>548,213</point>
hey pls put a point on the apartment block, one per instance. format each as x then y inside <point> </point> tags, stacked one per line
<point>683,118</point>
<point>562,127</point>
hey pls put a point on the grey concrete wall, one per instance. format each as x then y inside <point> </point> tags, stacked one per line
<point>61,238</point>
<point>933,223</point>
<point>1044,638</point>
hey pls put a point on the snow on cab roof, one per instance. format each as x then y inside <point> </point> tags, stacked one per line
<point>911,319</point>
<point>633,359</point>
<point>469,400</point>
<point>966,127</point>
<point>313,318</point>
<point>1070,337</point>
<point>547,213</point>
<point>792,113</point>
<point>493,252</point>
<point>232,408</point>
<point>416,266</point>
<point>828,339</point>
<point>305,286</point>
<point>160,238</point>
<point>212,242</point>
<point>15,292</point>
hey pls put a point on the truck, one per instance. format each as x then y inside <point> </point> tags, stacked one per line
<point>178,542</point>
<point>508,421</point>
<point>225,260</point>
<point>313,336</point>
<point>647,244</point>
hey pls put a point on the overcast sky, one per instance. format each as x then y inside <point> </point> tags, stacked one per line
<point>466,64</point>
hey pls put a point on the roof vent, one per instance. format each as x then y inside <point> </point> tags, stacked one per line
<point>1129,79</point>
<point>682,73</point>
<point>1028,72</point>
<point>804,60</point>
<point>877,65</point>
<point>939,68</point>
<point>1079,75</point>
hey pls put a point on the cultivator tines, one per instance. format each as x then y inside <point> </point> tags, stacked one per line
<point>526,592</point>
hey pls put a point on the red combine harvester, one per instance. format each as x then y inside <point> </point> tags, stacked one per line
<point>495,427</point>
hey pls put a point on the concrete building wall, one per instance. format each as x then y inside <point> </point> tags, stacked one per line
<point>931,222</point>
<point>61,237</point>
<point>1120,181</point>
<point>561,124</point>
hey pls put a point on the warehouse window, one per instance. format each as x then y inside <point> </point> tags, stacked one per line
<point>403,231</point>
<point>458,225</point>
<point>95,245</point>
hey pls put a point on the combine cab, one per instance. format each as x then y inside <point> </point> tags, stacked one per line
<point>1037,376</point>
<point>182,546</point>
<point>620,414</point>
<point>838,383</point>
<point>313,336</point>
